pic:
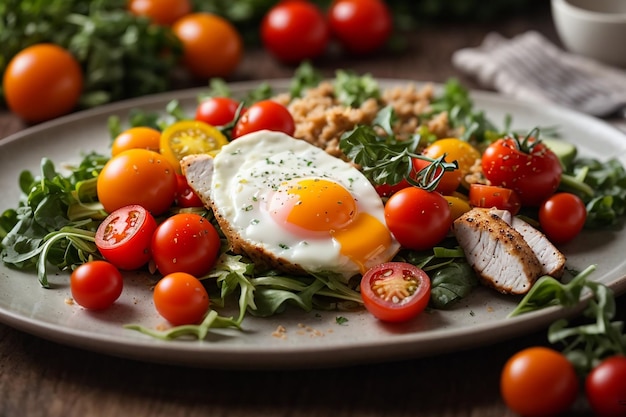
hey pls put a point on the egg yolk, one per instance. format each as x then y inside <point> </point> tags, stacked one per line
<point>317,207</point>
<point>313,205</point>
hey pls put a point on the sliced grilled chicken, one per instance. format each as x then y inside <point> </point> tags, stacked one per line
<point>498,253</point>
<point>551,259</point>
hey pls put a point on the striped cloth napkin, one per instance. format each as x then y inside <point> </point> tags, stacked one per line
<point>530,67</point>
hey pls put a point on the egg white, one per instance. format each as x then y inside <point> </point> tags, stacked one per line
<point>250,168</point>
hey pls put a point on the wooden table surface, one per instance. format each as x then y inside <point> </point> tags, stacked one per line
<point>42,378</point>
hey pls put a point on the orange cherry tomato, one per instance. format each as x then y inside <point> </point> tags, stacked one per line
<point>137,176</point>
<point>42,82</point>
<point>161,12</point>
<point>212,46</point>
<point>137,138</point>
<point>181,299</point>
<point>538,382</point>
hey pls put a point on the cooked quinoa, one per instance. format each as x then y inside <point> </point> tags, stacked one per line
<point>321,119</point>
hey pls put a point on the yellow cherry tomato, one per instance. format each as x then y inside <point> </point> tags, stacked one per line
<point>458,206</point>
<point>190,137</point>
<point>455,150</point>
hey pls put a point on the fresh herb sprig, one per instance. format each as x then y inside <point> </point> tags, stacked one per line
<point>384,159</point>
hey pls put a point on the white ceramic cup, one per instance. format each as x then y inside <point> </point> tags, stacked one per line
<point>593,28</point>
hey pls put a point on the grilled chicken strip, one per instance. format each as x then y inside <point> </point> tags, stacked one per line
<point>498,253</point>
<point>551,259</point>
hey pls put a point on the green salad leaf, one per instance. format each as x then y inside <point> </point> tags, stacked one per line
<point>588,341</point>
<point>56,218</point>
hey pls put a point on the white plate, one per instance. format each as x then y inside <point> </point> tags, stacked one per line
<point>311,339</point>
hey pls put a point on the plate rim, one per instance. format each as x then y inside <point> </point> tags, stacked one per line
<point>289,358</point>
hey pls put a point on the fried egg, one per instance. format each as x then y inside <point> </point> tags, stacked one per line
<point>284,198</point>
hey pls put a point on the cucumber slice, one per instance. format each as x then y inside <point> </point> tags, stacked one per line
<point>566,152</point>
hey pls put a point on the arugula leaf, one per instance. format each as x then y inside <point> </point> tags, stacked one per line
<point>602,187</point>
<point>586,343</point>
<point>56,218</point>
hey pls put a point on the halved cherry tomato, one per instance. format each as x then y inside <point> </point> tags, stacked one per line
<point>538,382</point>
<point>96,285</point>
<point>185,196</point>
<point>395,291</point>
<point>217,111</point>
<point>137,176</point>
<point>524,165</point>
<point>181,299</point>
<point>605,387</point>
<point>124,237</point>
<point>295,30</point>
<point>140,137</point>
<point>418,219</point>
<point>161,12</point>
<point>562,217</point>
<point>189,137</point>
<point>185,242</point>
<point>41,82</point>
<point>490,196</point>
<point>265,115</point>
<point>362,26</point>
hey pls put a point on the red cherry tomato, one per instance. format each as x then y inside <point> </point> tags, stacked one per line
<point>605,387</point>
<point>294,31</point>
<point>489,196</point>
<point>395,291</point>
<point>96,285</point>
<point>185,242</point>
<point>185,196</point>
<point>181,299</point>
<point>265,114</point>
<point>362,26</point>
<point>217,111</point>
<point>538,382</point>
<point>387,190</point>
<point>417,218</point>
<point>562,217</point>
<point>124,237</point>
<point>526,166</point>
